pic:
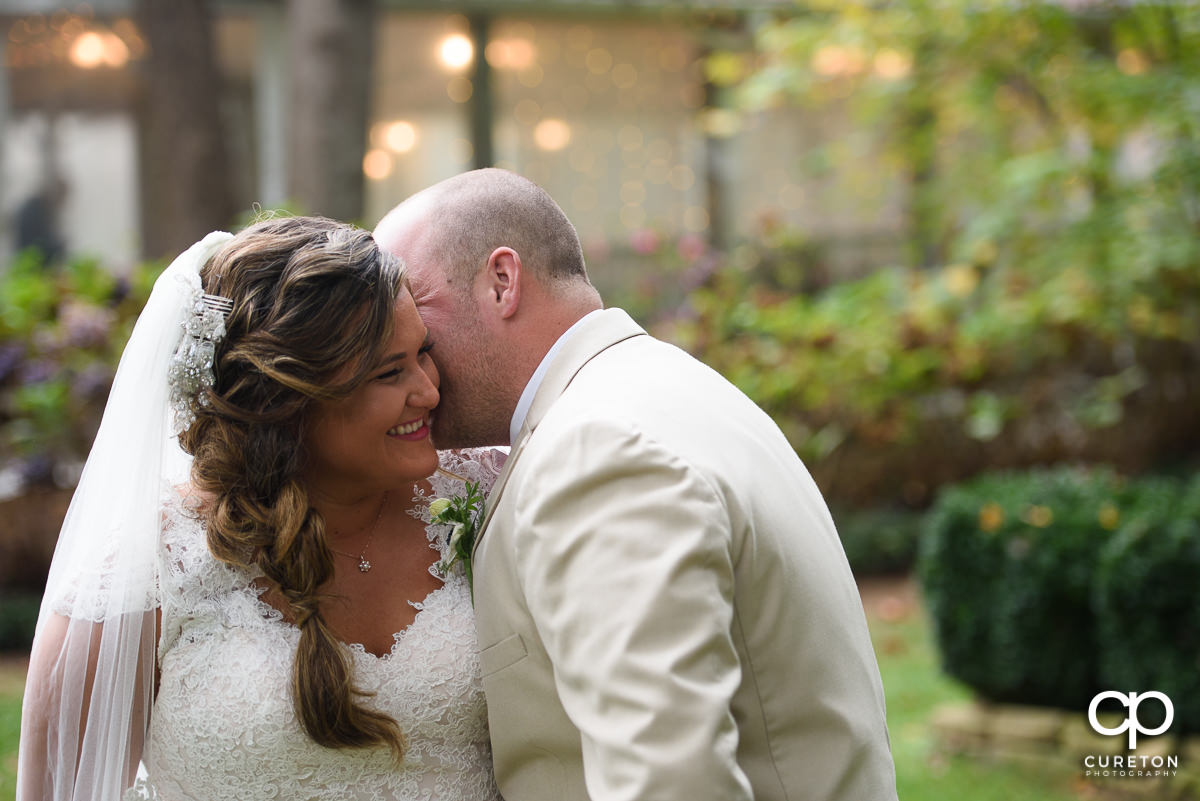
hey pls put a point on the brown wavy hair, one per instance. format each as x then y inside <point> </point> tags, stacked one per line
<point>311,297</point>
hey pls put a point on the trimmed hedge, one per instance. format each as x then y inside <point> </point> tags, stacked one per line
<point>1049,586</point>
<point>18,619</point>
<point>1147,598</point>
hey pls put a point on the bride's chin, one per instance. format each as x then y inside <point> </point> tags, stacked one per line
<point>429,464</point>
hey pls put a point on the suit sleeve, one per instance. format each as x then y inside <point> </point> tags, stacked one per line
<point>625,559</point>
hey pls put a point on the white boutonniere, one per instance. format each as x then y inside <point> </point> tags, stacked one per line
<point>463,512</point>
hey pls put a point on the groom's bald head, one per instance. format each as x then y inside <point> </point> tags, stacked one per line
<point>466,217</point>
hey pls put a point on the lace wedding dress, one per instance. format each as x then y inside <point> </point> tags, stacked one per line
<point>223,725</point>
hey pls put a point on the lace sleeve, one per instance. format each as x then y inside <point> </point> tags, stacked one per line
<point>480,465</point>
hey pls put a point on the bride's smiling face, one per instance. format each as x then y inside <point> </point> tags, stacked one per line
<point>379,435</point>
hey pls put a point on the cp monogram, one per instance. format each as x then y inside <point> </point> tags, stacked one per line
<point>1131,702</point>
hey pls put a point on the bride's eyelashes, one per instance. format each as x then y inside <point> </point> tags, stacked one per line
<point>396,371</point>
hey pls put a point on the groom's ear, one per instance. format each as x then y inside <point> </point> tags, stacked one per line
<point>503,281</point>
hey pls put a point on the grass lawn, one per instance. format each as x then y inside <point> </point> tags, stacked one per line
<point>12,684</point>
<point>913,684</point>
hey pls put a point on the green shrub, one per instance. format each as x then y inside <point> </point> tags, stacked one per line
<point>880,541</point>
<point>62,331</point>
<point>1147,602</point>
<point>18,617</point>
<point>1047,587</point>
<point>1007,562</point>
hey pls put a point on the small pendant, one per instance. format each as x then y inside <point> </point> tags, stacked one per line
<point>363,565</point>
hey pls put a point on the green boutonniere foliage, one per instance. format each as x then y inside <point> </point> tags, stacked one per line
<point>463,512</point>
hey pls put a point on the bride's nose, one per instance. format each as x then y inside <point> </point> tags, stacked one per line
<point>426,394</point>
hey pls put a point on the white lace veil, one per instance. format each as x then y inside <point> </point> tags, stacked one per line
<point>92,668</point>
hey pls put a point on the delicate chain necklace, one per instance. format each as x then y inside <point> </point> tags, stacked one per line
<point>363,565</point>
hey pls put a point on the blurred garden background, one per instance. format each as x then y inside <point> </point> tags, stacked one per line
<point>951,246</point>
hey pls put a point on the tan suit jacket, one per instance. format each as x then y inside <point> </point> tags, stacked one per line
<point>664,608</point>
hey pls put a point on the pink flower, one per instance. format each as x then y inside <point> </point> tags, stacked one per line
<point>644,241</point>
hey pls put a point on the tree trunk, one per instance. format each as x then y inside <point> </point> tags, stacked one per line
<point>919,136</point>
<point>330,49</point>
<point>185,189</point>
<point>482,124</point>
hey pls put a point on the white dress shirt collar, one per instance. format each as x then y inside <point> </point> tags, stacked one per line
<point>535,381</point>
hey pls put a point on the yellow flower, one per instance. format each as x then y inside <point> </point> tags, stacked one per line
<point>438,506</point>
<point>961,279</point>
<point>1109,516</point>
<point>991,516</point>
<point>1040,516</point>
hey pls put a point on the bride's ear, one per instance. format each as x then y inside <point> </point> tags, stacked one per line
<point>503,280</point>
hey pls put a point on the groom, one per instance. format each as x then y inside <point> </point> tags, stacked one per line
<point>663,605</point>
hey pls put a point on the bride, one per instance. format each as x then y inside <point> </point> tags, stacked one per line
<point>247,598</point>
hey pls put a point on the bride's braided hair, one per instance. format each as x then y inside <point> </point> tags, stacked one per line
<point>310,297</point>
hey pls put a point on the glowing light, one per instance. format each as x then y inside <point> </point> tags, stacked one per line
<point>630,137</point>
<point>657,171</point>
<point>633,216</point>
<point>129,33</point>
<point>531,77</point>
<point>116,53</point>
<point>459,89</point>
<point>71,28</point>
<point>633,192</point>
<point>599,61</point>
<point>400,136</point>
<point>633,160</point>
<point>682,177</point>
<point>527,112</point>
<point>93,49</point>
<point>552,134</point>
<point>377,165</point>
<point>659,149</point>
<point>456,52</point>
<point>582,160</point>
<point>511,54</point>
<point>695,218</point>
<point>601,141</point>
<point>87,51</point>
<point>624,76</point>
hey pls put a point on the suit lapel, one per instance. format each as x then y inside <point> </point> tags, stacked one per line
<point>594,336</point>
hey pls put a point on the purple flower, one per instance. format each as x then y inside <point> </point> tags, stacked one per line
<point>37,470</point>
<point>85,326</point>
<point>38,371</point>
<point>91,382</point>
<point>120,291</point>
<point>11,356</point>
